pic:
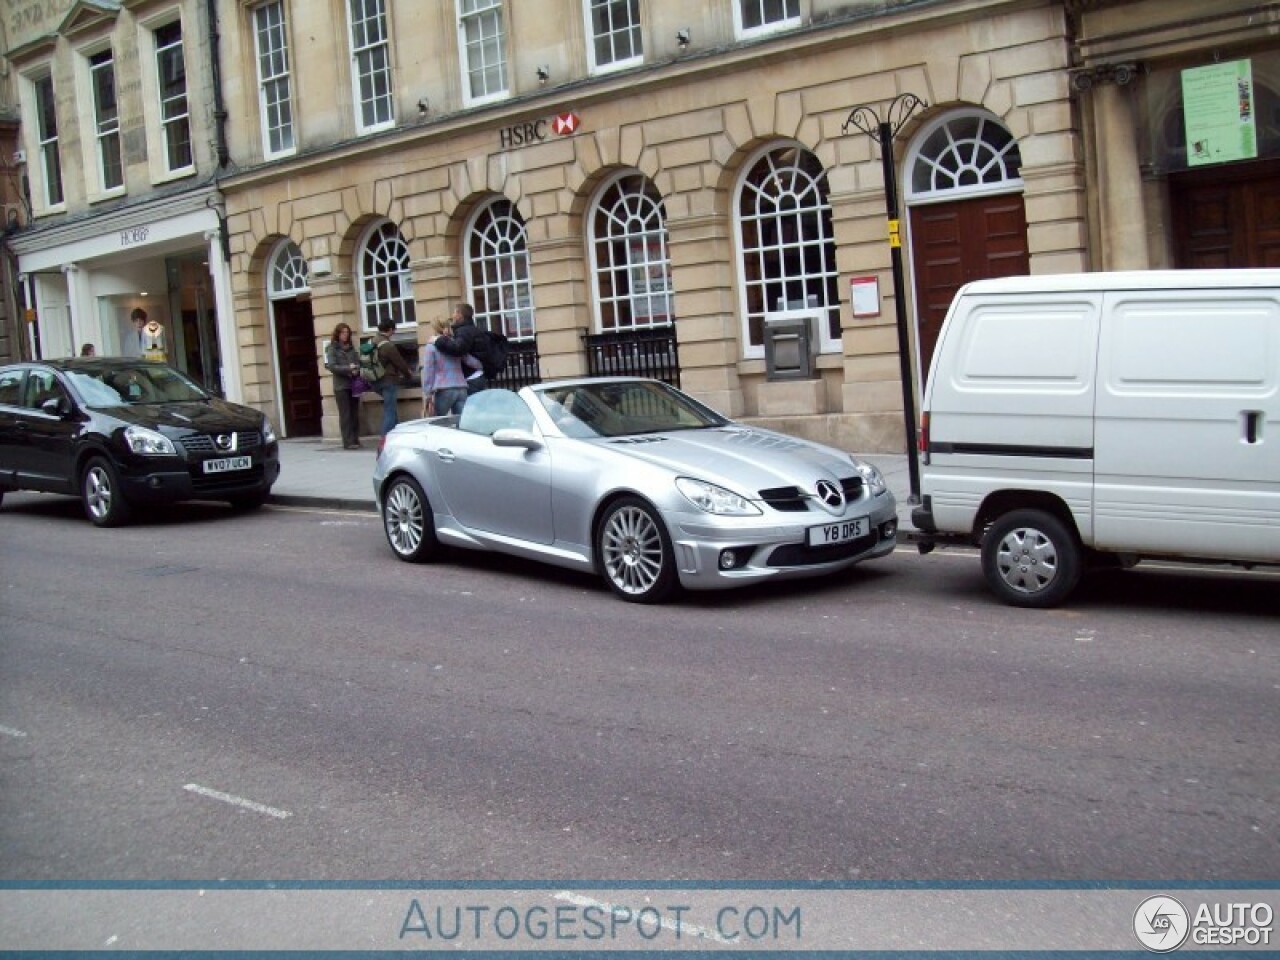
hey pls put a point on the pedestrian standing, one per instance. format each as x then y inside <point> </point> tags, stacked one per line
<point>343,361</point>
<point>444,378</point>
<point>396,371</point>
<point>463,340</point>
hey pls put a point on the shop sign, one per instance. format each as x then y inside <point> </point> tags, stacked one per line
<point>134,236</point>
<point>535,131</point>
<point>1218,109</point>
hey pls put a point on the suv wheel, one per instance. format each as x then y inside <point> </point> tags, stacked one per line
<point>104,501</point>
<point>1030,559</point>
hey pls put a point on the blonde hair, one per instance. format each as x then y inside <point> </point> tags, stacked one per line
<point>440,325</point>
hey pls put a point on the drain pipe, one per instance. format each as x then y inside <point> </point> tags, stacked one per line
<point>219,108</point>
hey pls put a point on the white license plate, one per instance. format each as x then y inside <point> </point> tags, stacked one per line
<point>842,532</point>
<point>227,464</point>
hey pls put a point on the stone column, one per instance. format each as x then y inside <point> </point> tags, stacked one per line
<point>1122,207</point>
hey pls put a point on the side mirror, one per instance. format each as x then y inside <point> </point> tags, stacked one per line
<point>508,437</point>
<point>56,407</point>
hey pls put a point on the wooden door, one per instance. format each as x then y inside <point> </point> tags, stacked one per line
<point>1227,216</point>
<point>958,241</point>
<point>299,372</point>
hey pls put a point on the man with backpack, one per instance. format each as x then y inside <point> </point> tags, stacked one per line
<point>467,339</point>
<point>393,369</point>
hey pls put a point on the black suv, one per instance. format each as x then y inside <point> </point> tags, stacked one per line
<point>122,432</point>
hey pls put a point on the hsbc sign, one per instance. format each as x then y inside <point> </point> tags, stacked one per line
<point>536,131</point>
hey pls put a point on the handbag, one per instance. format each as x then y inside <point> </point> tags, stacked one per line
<point>359,386</point>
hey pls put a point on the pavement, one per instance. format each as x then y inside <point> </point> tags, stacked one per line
<point>319,473</point>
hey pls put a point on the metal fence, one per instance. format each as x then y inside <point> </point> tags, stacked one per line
<point>522,366</point>
<point>634,353</point>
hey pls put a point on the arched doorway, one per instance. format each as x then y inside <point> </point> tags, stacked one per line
<point>289,291</point>
<point>967,220</point>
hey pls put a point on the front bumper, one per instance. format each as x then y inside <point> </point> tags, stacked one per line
<point>714,555</point>
<point>173,479</point>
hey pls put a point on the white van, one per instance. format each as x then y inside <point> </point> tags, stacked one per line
<point>1104,417</point>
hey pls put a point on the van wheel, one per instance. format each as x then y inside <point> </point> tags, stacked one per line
<point>1030,559</point>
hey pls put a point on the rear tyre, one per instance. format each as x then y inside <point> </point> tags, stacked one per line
<point>102,495</point>
<point>1031,559</point>
<point>635,552</point>
<point>408,521</point>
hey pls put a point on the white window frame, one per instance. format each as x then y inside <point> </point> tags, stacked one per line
<point>182,101</point>
<point>46,144</point>
<point>979,157</point>
<point>271,58</point>
<point>383,277</point>
<point>641,282</point>
<point>482,13</point>
<point>743,32</point>
<point>287,273</point>
<point>621,63</point>
<point>105,136</point>
<point>498,270</point>
<point>364,46</point>
<point>826,281</point>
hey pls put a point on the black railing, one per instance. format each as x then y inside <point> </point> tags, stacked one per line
<point>634,353</point>
<point>522,366</point>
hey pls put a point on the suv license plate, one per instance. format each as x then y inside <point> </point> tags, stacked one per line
<point>841,532</point>
<point>226,464</point>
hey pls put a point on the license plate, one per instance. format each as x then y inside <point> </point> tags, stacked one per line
<point>842,532</point>
<point>227,464</point>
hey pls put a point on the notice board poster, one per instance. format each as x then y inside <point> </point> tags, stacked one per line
<point>1218,108</point>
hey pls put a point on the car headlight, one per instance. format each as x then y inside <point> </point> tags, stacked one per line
<point>148,443</point>
<point>871,476</point>
<point>268,433</point>
<point>712,499</point>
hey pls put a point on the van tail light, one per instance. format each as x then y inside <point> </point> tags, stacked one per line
<point>924,437</point>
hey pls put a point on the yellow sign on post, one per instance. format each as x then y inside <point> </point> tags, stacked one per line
<point>895,234</point>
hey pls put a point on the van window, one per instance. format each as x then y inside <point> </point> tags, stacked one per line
<point>1044,342</point>
<point>1230,344</point>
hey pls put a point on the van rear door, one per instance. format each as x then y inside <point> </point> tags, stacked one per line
<point>1187,441</point>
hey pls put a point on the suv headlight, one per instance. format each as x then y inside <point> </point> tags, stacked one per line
<point>712,499</point>
<point>148,443</point>
<point>871,476</point>
<point>268,433</point>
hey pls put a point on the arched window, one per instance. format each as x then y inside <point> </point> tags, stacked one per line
<point>498,265</point>
<point>287,272</point>
<point>386,289</point>
<point>787,250</point>
<point>963,154</point>
<point>628,238</point>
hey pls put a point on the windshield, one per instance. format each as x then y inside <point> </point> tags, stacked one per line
<point>119,386</point>
<point>624,409</point>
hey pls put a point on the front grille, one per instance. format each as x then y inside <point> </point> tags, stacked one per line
<point>202,443</point>
<point>803,555</point>
<point>795,500</point>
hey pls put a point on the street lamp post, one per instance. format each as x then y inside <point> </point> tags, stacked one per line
<point>883,131</point>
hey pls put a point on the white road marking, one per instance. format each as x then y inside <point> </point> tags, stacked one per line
<point>237,801</point>
<point>10,732</point>
<point>691,929</point>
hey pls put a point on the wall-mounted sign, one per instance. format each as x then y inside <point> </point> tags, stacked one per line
<point>535,131</point>
<point>864,295</point>
<point>1218,109</point>
<point>134,236</point>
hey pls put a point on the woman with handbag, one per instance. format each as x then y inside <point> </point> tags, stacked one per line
<point>342,359</point>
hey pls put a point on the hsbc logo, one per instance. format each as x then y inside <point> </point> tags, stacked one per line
<point>536,131</point>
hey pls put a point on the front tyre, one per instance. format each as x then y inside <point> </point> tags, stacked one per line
<point>635,552</point>
<point>100,491</point>
<point>409,522</point>
<point>1031,559</point>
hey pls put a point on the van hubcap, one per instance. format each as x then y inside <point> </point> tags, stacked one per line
<point>1027,560</point>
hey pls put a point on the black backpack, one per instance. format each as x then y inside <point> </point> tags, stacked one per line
<point>491,349</point>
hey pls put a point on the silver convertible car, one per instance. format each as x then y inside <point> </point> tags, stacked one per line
<point>633,479</point>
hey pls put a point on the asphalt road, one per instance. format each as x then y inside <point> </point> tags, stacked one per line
<point>274,696</point>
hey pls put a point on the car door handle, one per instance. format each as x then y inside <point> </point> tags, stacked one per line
<point>445,455</point>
